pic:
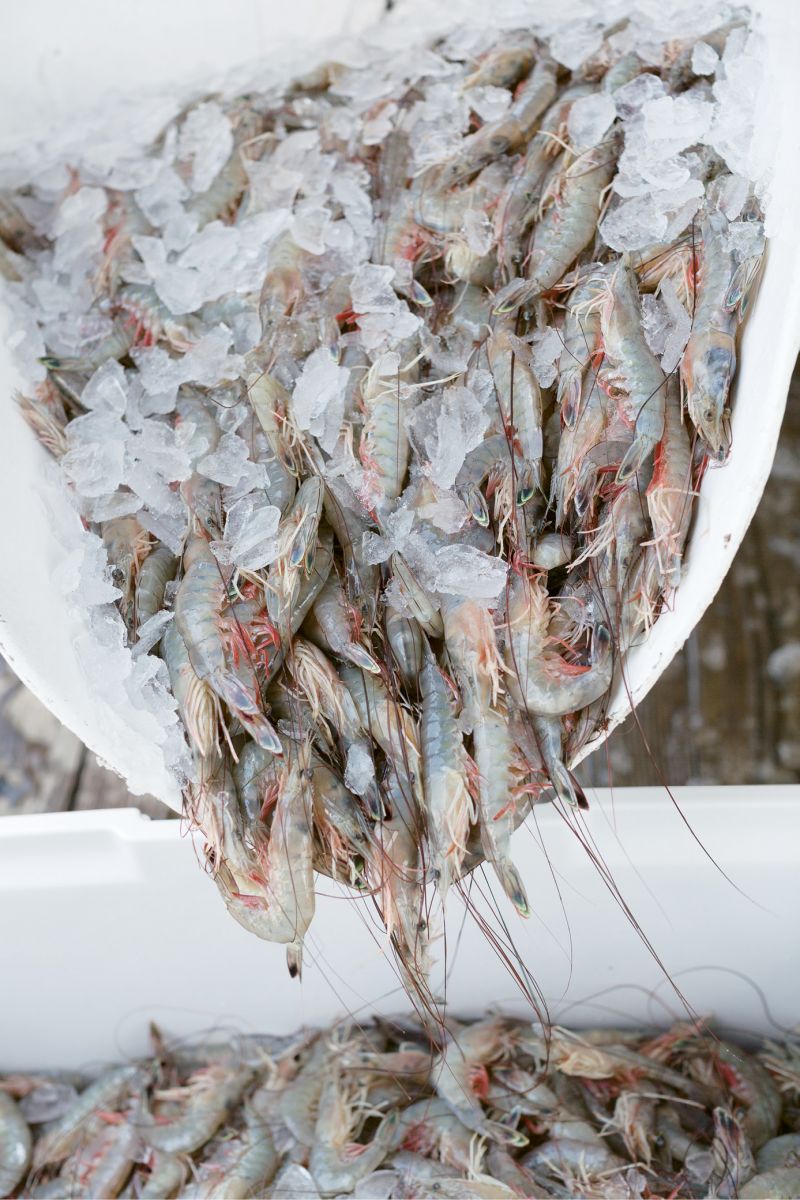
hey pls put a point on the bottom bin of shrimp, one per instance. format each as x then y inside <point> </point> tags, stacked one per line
<point>648,908</point>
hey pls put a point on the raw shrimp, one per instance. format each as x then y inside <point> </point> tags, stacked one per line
<point>540,679</point>
<point>669,493</point>
<point>336,1162</point>
<point>211,1094</point>
<point>154,574</point>
<point>335,621</point>
<point>460,1074</point>
<point>15,1145</point>
<point>68,1131</point>
<point>449,807</point>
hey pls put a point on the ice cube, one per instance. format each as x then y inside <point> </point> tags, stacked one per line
<point>318,397</point>
<point>705,59</point>
<point>461,570</point>
<point>732,192</point>
<point>546,348</point>
<point>445,428</point>
<point>95,461</point>
<point>575,41</point>
<point>170,530</point>
<point>229,464</point>
<point>590,117</point>
<point>151,632</point>
<point>632,96</point>
<point>371,289</point>
<point>655,323</point>
<point>250,532</point>
<point>309,226</point>
<point>206,139</point>
<point>359,772</point>
<point>106,391</point>
<point>680,327</point>
<point>84,207</point>
<point>445,511</point>
<point>478,231</point>
<point>488,102</point>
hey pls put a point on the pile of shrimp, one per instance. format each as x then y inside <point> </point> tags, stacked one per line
<point>396,486</point>
<point>490,1108</point>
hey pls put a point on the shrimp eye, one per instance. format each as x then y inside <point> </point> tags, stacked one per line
<point>525,493</point>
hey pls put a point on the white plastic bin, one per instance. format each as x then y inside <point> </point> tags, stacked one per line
<point>107,922</point>
<point>66,60</point>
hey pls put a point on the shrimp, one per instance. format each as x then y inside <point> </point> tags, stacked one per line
<point>506,133</point>
<point>551,550</point>
<point>567,227</point>
<point>167,1175</point>
<point>404,636</point>
<point>127,546</point>
<point>391,726</point>
<point>581,337</point>
<point>65,1135</point>
<point>15,1145</point>
<point>45,414</point>
<point>340,824</point>
<point>416,601</point>
<point>669,494</point>
<point>518,204</point>
<point>255,774</point>
<point>115,345</point>
<point>519,399</point>
<point>618,546</point>
<point>337,1163</point>
<point>247,1164</point>
<point>199,605</point>
<point>330,698</point>
<point>297,540</point>
<point>333,621</point>
<point>709,360</point>
<point>152,317</point>
<point>471,645</point>
<point>632,370</point>
<point>154,574</point>
<point>103,1164</point>
<point>460,1075</point>
<point>780,1183</point>
<point>542,739</point>
<point>540,679</point>
<point>494,757</point>
<point>505,63</point>
<point>211,1094</point>
<point>384,447</point>
<point>283,288</point>
<point>198,704</point>
<point>449,807</point>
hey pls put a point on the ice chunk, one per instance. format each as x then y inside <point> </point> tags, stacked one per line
<point>590,117</point>
<point>397,527</point>
<point>168,529</point>
<point>359,774</point>
<point>445,511</point>
<point>309,226</point>
<point>546,348</point>
<point>318,397</point>
<point>488,102</point>
<point>229,464</point>
<point>150,633</point>
<point>116,504</point>
<point>464,571</point>
<point>655,323</point>
<point>106,391</point>
<point>680,327</point>
<point>371,289</point>
<point>207,363</point>
<point>163,450</point>
<point>736,93</point>
<point>678,121</point>
<point>632,96</point>
<point>251,526</point>
<point>84,207</point>
<point>732,192</point>
<point>85,575</point>
<point>746,239</point>
<point>705,59</point>
<point>150,486</point>
<point>575,41</point>
<point>96,459</point>
<point>206,139</point>
<point>445,428</point>
<point>478,231</point>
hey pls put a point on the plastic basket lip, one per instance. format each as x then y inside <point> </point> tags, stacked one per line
<point>114,904</point>
<point>46,645</point>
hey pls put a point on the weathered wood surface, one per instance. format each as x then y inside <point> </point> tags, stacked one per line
<point>727,710</point>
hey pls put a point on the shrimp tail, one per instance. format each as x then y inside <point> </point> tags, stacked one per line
<point>362,658</point>
<point>294,959</point>
<point>241,703</point>
<point>515,293</point>
<point>569,397</point>
<point>634,458</point>
<point>567,787</point>
<point>512,885</point>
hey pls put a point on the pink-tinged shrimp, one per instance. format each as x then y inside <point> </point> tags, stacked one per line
<point>335,626</point>
<point>115,345</point>
<point>338,1163</point>
<point>155,572</point>
<point>15,1145</point>
<point>127,545</point>
<point>388,723</point>
<point>494,753</point>
<point>632,372</point>
<point>449,807</point>
<point>404,635</point>
<point>198,703</point>
<point>167,1175</point>
<point>461,1078</point>
<point>567,226</point>
<point>384,447</point>
<point>520,401</point>
<point>210,1095</point>
<point>199,606</point>
<point>504,64</point>
<point>69,1130</point>
<point>709,361</point>
<point>297,540</point>
<point>539,678</point>
<point>242,1166</point>
<point>471,644</point>
<point>574,447</point>
<point>581,337</point>
<point>618,547</point>
<point>507,133</point>
<point>101,1165</point>
<point>519,201</point>
<point>669,494</point>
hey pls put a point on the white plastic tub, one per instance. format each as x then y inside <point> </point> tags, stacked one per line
<point>106,922</point>
<point>66,60</point>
